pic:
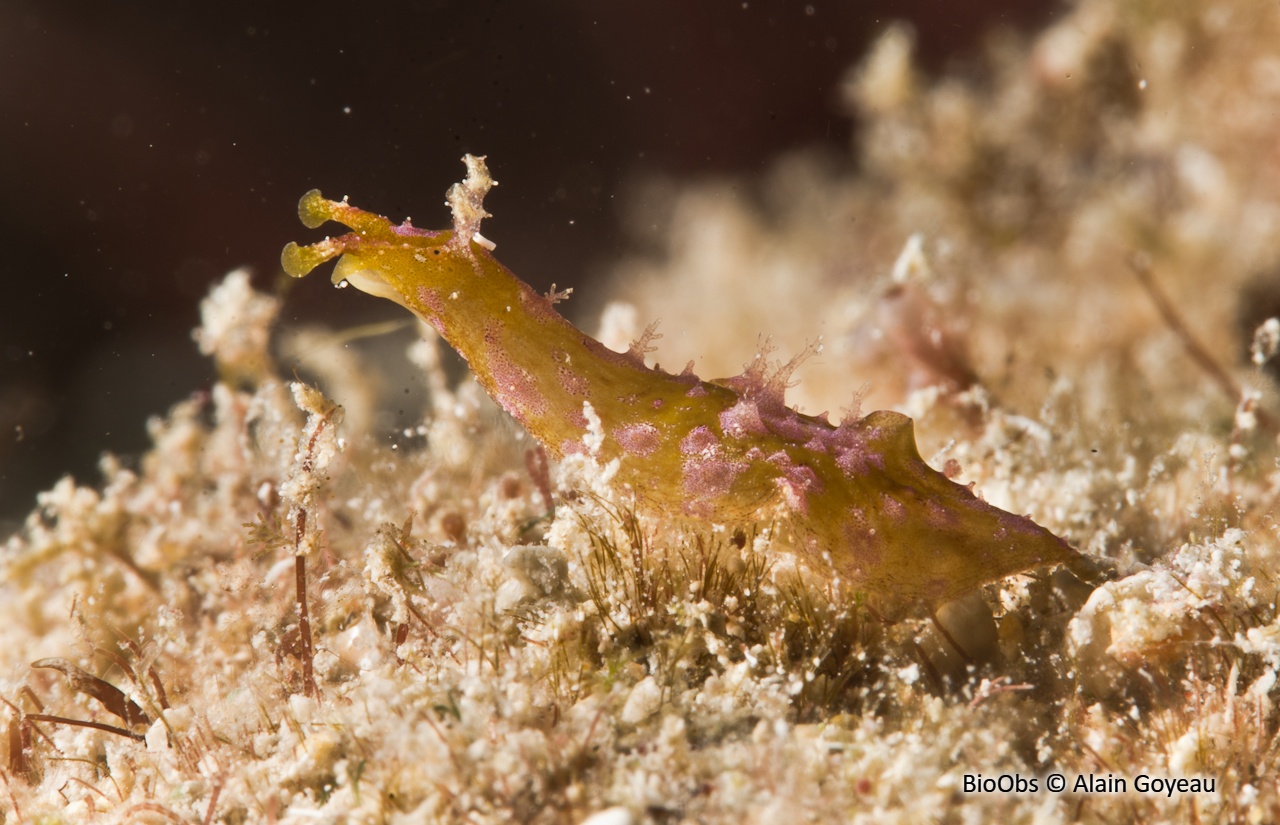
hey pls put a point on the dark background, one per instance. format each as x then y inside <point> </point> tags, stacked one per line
<point>148,148</point>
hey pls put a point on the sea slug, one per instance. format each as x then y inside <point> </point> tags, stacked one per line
<point>863,503</point>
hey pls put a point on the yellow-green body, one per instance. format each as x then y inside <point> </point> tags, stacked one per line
<point>865,506</point>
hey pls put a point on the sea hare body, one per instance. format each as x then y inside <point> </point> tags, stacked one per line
<point>865,505</point>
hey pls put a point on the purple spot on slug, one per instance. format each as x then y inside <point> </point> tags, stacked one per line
<point>570,381</point>
<point>852,461</point>
<point>797,481</point>
<point>940,517</point>
<point>514,388</point>
<point>431,299</point>
<point>742,420</point>
<point>816,445</point>
<point>848,443</point>
<point>707,479</point>
<point>866,550</point>
<point>408,230</point>
<point>638,439</point>
<point>791,426</point>
<point>435,322</point>
<point>893,508</point>
<point>698,441</point>
<point>696,391</point>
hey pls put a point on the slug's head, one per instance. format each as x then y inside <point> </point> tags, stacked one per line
<point>389,260</point>
<point>362,250</point>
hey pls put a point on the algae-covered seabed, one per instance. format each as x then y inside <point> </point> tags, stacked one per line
<point>1062,266</point>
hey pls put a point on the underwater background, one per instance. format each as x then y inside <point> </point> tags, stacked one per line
<point>150,148</point>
